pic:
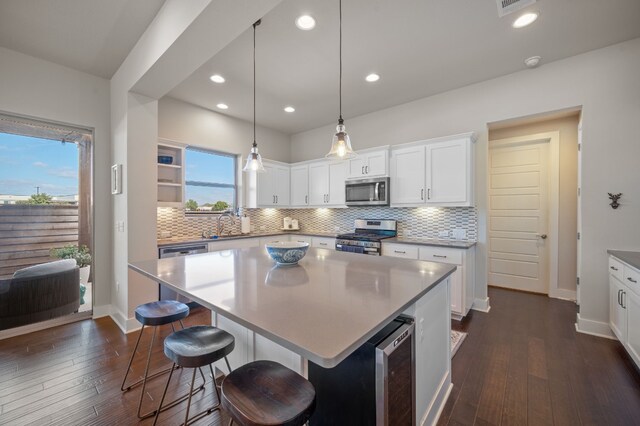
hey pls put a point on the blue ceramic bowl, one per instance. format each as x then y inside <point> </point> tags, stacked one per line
<point>287,252</point>
<point>165,159</point>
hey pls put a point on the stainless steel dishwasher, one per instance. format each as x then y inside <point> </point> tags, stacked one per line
<point>166,293</point>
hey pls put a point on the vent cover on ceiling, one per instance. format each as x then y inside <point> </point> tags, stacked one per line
<point>506,7</point>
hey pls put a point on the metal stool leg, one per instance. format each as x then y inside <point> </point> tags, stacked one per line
<point>164,393</point>
<point>133,354</point>
<point>146,373</point>
<point>126,388</point>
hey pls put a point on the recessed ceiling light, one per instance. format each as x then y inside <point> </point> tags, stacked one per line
<point>524,20</point>
<point>532,62</point>
<point>223,106</point>
<point>305,22</point>
<point>217,78</point>
<point>289,109</point>
<point>372,77</point>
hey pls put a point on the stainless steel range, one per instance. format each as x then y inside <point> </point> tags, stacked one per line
<point>368,236</point>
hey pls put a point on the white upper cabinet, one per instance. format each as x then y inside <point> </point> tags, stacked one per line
<point>273,185</point>
<point>433,173</point>
<point>448,173</point>
<point>408,175</point>
<point>318,183</point>
<point>300,185</point>
<point>326,183</point>
<point>369,164</point>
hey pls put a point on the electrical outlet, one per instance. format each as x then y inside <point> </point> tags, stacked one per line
<point>407,232</point>
<point>336,228</point>
<point>165,234</point>
<point>459,234</point>
<point>443,234</point>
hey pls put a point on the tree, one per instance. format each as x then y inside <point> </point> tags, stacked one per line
<point>191,205</point>
<point>220,206</point>
<point>43,198</point>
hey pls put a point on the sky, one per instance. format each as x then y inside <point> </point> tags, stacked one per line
<point>27,163</point>
<point>205,167</point>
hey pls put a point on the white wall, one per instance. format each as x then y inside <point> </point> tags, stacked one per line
<point>193,125</point>
<point>604,82</point>
<point>41,89</point>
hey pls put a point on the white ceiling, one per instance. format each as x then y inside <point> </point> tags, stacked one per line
<point>93,36</point>
<point>419,47</point>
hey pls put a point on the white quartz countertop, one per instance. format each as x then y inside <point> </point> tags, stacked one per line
<point>322,309</point>
<point>632,258</point>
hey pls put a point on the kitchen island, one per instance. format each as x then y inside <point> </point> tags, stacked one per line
<point>321,310</point>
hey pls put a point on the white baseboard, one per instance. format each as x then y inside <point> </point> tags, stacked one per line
<point>481,305</point>
<point>126,325</point>
<point>438,402</point>
<point>595,328</point>
<point>564,294</point>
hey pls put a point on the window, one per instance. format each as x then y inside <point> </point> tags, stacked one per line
<point>210,181</point>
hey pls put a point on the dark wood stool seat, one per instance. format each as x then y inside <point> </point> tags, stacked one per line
<point>153,314</point>
<point>161,312</point>
<point>196,347</point>
<point>267,393</point>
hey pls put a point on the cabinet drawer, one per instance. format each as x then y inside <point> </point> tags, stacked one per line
<point>400,250</point>
<point>301,239</point>
<point>327,243</point>
<point>616,268</point>
<point>274,239</point>
<point>632,279</point>
<point>442,255</point>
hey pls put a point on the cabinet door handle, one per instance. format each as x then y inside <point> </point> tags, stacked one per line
<point>400,251</point>
<point>613,267</point>
<point>624,305</point>
<point>440,256</point>
<point>632,280</point>
<point>306,199</point>
<point>322,244</point>
<point>366,170</point>
<point>362,171</point>
<point>619,300</point>
<point>429,194</point>
<point>422,194</point>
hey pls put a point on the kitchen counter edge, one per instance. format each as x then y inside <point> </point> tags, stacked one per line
<point>168,242</point>
<point>632,258</point>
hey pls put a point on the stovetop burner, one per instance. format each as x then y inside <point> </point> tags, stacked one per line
<point>361,236</point>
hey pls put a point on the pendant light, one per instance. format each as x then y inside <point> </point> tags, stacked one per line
<point>341,144</point>
<point>254,160</point>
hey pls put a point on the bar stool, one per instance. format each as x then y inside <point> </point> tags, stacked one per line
<point>267,393</point>
<point>153,314</point>
<point>196,347</point>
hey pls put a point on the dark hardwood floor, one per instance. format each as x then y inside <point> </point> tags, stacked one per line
<point>524,363</point>
<point>521,364</point>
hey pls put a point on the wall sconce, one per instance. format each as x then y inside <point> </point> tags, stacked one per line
<point>614,200</point>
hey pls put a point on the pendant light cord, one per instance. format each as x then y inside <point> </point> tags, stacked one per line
<point>340,90</point>
<point>254,82</point>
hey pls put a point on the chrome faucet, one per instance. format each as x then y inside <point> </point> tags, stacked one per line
<point>220,226</point>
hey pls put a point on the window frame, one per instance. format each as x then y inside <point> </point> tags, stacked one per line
<point>234,157</point>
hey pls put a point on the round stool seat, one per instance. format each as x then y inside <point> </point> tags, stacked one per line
<point>161,312</point>
<point>268,393</point>
<point>198,346</point>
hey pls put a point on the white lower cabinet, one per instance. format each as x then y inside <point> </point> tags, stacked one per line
<point>624,305</point>
<point>462,280</point>
<point>323,242</point>
<point>251,346</point>
<point>274,239</point>
<point>237,243</point>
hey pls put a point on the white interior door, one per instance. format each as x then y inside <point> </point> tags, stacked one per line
<point>518,215</point>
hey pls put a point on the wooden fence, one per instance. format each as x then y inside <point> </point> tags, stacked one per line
<point>28,232</point>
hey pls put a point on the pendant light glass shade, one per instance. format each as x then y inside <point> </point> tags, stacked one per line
<point>254,159</point>
<point>341,144</point>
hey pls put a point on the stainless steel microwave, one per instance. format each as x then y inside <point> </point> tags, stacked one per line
<point>367,192</point>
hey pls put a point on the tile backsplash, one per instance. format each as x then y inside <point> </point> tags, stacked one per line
<point>419,222</point>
